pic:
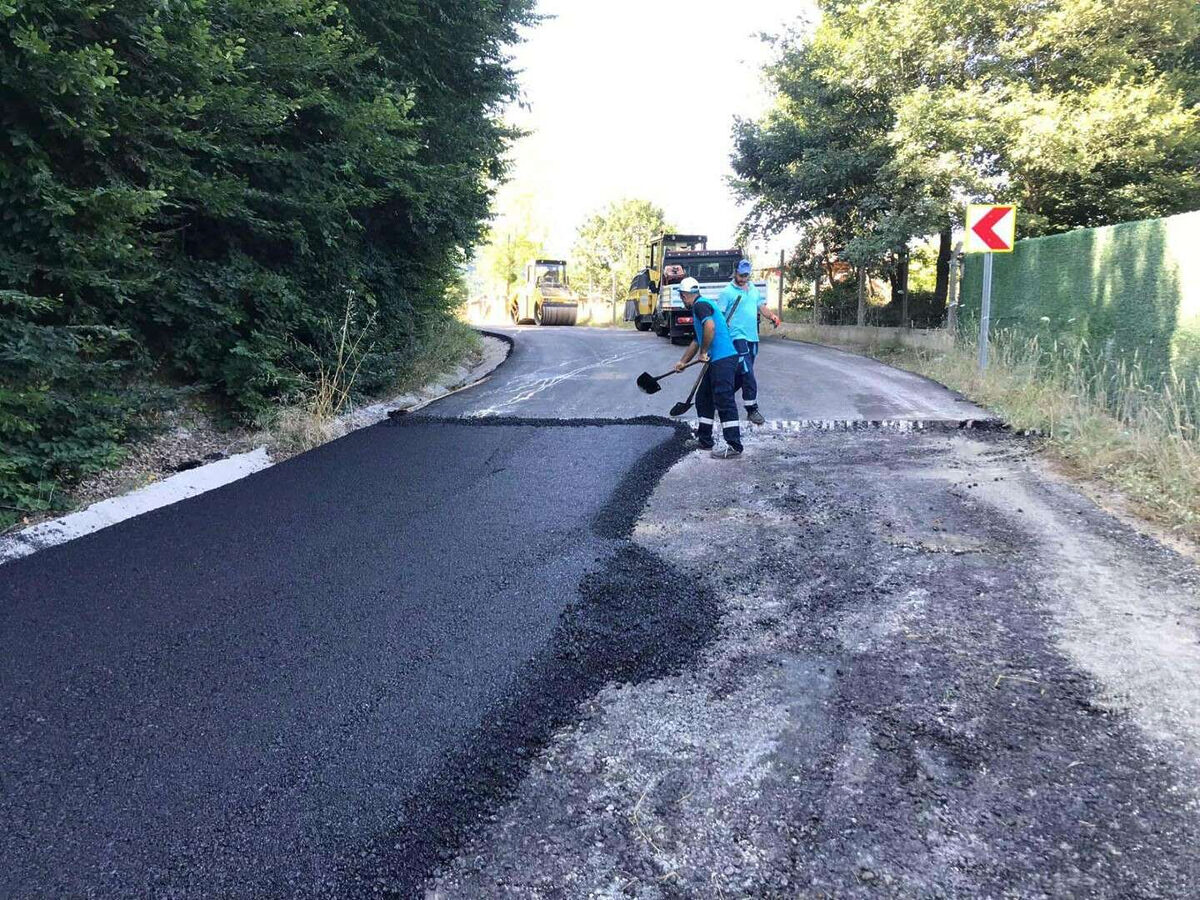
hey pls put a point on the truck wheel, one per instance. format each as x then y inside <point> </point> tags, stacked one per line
<point>641,326</point>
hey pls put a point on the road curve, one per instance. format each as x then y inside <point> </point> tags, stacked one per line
<point>591,372</point>
<point>301,684</point>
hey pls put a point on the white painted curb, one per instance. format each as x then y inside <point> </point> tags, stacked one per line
<point>224,471</point>
<point>117,509</point>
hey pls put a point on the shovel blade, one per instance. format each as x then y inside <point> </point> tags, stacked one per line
<point>680,408</point>
<point>648,383</point>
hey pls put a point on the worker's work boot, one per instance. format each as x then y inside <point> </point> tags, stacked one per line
<point>726,452</point>
<point>755,416</point>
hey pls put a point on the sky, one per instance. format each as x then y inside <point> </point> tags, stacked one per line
<point>637,99</point>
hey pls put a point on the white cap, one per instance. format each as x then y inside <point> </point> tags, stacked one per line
<point>689,286</point>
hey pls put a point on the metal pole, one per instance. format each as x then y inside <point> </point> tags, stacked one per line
<point>780,310</point>
<point>985,313</point>
<point>614,295</point>
<point>817,298</point>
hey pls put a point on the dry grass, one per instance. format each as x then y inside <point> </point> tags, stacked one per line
<point>1101,417</point>
<point>315,420</point>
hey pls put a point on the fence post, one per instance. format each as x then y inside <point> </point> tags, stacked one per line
<point>862,296</point>
<point>780,310</point>
<point>953,290</point>
<point>817,299</point>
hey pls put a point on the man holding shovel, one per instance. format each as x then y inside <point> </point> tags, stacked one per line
<point>715,348</point>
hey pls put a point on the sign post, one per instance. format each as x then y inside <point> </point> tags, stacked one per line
<point>991,229</point>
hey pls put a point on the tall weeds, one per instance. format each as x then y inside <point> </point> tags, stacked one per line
<point>334,380</point>
<point>299,427</point>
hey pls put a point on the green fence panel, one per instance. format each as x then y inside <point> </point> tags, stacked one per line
<point>1132,291</point>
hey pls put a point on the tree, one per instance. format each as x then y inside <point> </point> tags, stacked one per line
<point>201,189</point>
<point>514,239</point>
<point>892,114</point>
<point>821,159</point>
<point>611,244</point>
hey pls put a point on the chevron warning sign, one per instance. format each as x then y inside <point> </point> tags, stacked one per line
<point>991,228</point>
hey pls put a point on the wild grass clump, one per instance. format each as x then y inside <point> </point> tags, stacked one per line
<point>1105,417</point>
<point>314,419</point>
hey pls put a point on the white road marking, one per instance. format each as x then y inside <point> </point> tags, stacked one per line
<point>532,385</point>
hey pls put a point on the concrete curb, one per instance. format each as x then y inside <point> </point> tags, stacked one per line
<point>202,479</point>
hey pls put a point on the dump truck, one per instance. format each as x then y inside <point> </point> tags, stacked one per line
<point>653,301</point>
<point>641,302</point>
<point>544,297</point>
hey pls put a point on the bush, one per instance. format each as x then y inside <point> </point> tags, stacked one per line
<point>192,190</point>
<point>66,407</point>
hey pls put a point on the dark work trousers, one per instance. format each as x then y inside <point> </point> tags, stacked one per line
<point>747,353</point>
<point>716,395</point>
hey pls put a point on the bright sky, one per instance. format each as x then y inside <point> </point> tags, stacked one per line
<point>636,98</point>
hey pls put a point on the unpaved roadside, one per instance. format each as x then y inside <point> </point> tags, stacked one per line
<point>937,673</point>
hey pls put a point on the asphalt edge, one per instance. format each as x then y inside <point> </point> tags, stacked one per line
<point>958,395</point>
<point>636,617</point>
<point>188,483</point>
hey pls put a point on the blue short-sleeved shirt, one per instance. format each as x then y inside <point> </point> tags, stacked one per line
<point>722,344</point>
<point>744,324</point>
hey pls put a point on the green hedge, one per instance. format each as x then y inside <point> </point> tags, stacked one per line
<point>194,192</point>
<point>1132,291</point>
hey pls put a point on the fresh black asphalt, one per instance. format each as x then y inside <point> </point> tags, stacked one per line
<point>309,682</point>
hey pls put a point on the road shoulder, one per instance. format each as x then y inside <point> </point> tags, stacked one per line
<point>112,504</point>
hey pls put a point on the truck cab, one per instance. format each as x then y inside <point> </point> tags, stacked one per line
<point>712,268</point>
<point>641,302</point>
<point>653,300</point>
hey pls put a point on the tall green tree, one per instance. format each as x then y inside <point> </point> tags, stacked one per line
<point>610,246</point>
<point>199,189</point>
<point>514,239</point>
<point>1082,112</point>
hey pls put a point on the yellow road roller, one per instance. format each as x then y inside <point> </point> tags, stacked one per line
<point>545,297</point>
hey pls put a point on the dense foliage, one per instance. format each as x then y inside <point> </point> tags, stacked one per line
<point>199,189</point>
<point>890,115</point>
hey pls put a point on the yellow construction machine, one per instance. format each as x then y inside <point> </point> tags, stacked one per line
<point>545,297</point>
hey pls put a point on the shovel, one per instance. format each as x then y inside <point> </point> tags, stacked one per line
<point>650,383</point>
<point>684,405</point>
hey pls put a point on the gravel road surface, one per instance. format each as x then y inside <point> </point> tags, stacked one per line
<point>936,674</point>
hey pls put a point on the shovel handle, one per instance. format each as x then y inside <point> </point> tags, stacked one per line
<point>695,387</point>
<point>675,371</point>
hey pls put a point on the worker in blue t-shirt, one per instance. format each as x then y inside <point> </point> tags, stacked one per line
<point>743,328</point>
<point>715,393</point>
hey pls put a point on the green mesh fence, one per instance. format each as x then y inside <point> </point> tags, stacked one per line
<point>1132,291</point>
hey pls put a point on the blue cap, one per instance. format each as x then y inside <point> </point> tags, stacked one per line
<point>744,267</point>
